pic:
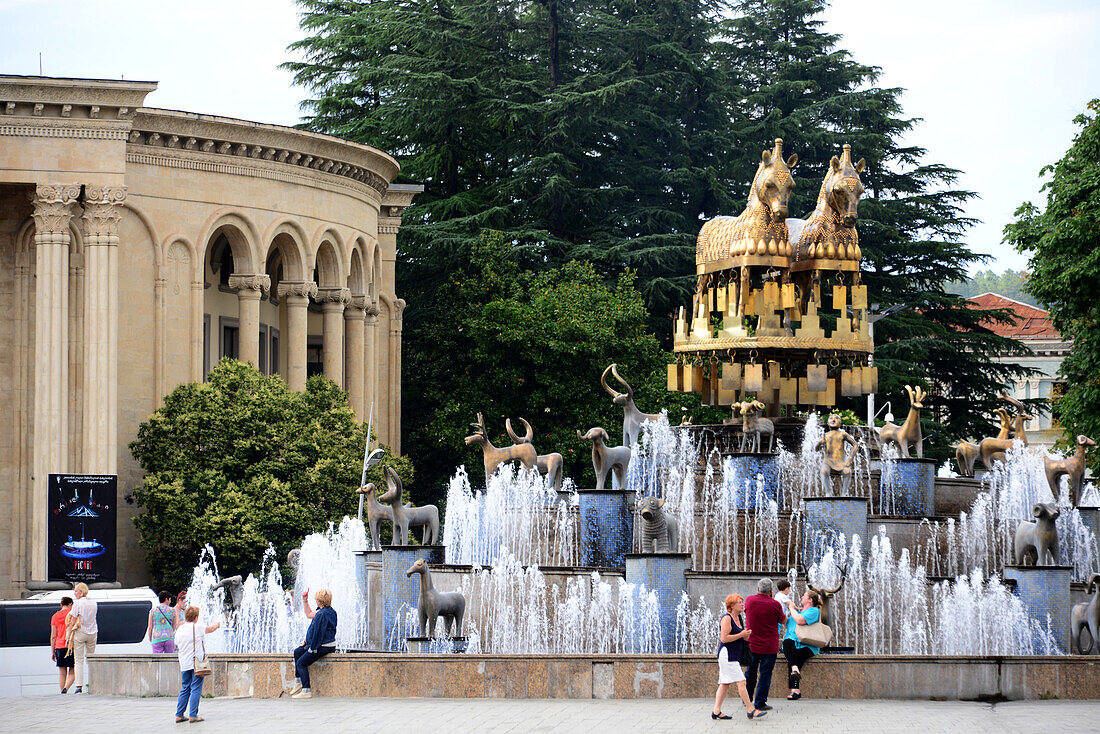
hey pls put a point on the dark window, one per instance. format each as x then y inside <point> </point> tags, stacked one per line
<point>274,352</point>
<point>263,350</point>
<point>119,622</point>
<point>230,342</point>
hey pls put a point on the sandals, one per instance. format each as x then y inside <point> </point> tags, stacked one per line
<point>756,714</point>
<point>181,719</point>
<point>196,720</point>
<point>794,696</point>
<point>719,716</point>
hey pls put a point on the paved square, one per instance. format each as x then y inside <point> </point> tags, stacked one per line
<point>89,714</point>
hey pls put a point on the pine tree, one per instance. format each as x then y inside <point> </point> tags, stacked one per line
<point>1064,243</point>
<point>801,87</point>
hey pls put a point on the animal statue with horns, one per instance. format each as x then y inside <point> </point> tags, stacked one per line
<point>632,416</point>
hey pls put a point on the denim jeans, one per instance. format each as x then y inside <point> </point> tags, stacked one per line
<point>190,688</point>
<point>303,658</point>
<point>763,664</point>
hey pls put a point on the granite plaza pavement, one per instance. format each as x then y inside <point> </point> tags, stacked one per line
<point>89,714</point>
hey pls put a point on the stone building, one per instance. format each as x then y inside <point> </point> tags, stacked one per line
<point>1033,328</point>
<point>138,246</point>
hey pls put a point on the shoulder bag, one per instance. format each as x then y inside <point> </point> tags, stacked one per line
<point>202,667</point>
<point>746,653</point>
<point>817,634</point>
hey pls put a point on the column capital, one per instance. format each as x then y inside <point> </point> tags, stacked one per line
<point>297,288</point>
<point>373,310</point>
<point>335,296</point>
<point>101,213</point>
<point>356,309</point>
<point>53,207</point>
<point>250,284</point>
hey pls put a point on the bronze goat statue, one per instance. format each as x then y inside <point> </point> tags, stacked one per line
<point>908,433</point>
<point>606,459</point>
<point>406,516</point>
<point>493,457</point>
<point>1073,468</point>
<point>1040,535</point>
<point>432,604</point>
<point>966,453</point>
<point>993,450</point>
<point>632,417</point>
<point>1086,616</point>
<point>550,465</point>
<point>755,425</point>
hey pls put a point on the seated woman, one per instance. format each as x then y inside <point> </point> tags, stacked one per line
<point>320,640</point>
<point>796,653</point>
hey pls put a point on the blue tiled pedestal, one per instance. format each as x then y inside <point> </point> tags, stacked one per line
<point>913,486</point>
<point>607,526</point>
<point>662,573</point>
<point>397,589</point>
<point>754,468</point>
<point>1045,590</point>
<point>827,517</point>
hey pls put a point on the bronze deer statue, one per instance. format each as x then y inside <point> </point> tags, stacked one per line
<point>993,450</point>
<point>606,459</point>
<point>406,516</point>
<point>493,457</point>
<point>908,433</point>
<point>966,453</point>
<point>827,594</point>
<point>550,465</point>
<point>1073,467</point>
<point>632,417</point>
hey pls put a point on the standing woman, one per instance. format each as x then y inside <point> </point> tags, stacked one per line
<point>191,647</point>
<point>163,622</point>
<point>796,653</point>
<point>84,639</point>
<point>731,638</point>
<point>58,641</point>
<point>320,640</point>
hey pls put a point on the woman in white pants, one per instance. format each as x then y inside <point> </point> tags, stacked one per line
<point>84,639</point>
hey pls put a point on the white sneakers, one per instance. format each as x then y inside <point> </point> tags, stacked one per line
<point>304,693</point>
<point>297,687</point>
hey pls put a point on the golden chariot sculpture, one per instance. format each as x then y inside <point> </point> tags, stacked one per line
<point>760,322</point>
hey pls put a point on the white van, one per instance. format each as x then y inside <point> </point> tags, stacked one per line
<point>25,665</point>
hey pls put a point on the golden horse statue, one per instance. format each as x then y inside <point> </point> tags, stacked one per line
<point>758,236</point>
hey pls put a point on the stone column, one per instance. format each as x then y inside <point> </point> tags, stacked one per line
<point>393,379</point>
<point>332,302</point>
<point>296,295</point>
<point>53,210</point>
<point>353,353</point>
<point>370,357</point>
<point>249,290</point>
<point>102,212</point>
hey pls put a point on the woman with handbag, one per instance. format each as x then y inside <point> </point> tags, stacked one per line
<point>731,645</point>
<point>803,628</point>
<point>194,667</point>
<point>163,622</point>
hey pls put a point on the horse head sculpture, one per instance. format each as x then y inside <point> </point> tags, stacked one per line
<point>828,239</point>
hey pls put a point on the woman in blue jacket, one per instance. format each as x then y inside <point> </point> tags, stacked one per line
<point>320,640</point>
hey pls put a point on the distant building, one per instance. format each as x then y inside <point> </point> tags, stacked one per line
<point>1048,349</point>
<point>139,246</point>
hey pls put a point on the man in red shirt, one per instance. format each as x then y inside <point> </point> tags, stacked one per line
<point>763,615</point>
<point>65,662</point>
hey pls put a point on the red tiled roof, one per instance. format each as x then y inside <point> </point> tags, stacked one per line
<point>1031,322</point>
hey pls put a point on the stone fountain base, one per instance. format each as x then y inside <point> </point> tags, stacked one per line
<point>618,676</point>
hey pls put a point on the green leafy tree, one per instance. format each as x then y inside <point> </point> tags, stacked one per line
<point>1063,241</point>
<point>800,86</point>
<point>1011,284</point>
<point>517,343</point>
<point>241,462</point>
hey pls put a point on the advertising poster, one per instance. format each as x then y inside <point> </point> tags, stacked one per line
<point>80,530</point>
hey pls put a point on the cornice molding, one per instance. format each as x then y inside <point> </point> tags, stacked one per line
<point>64,128</point>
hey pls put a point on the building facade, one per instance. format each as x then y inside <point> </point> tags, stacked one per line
<point>139,246</point>
<point>1033,328</point>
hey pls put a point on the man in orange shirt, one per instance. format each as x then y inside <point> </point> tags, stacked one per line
<point>59,652</point>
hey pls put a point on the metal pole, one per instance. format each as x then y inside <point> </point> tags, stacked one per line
<point>871,363</point>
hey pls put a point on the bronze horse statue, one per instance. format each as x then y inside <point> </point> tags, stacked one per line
<point>828,240</point>
<point>758,236</point>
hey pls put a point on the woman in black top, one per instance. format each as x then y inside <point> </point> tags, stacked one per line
<point>731,637</point>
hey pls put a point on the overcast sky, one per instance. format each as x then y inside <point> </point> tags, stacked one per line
<point>996,82</point>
